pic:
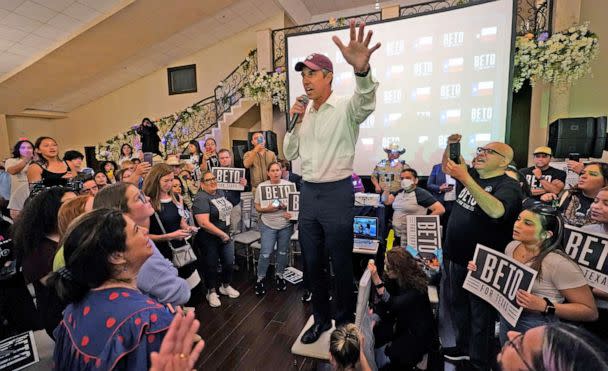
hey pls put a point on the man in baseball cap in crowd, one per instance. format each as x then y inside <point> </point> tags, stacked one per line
<point>324,138</point>
<point>541,177</point>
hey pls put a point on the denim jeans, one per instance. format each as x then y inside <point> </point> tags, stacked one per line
<point>269,237</point>
<point>526,321</point>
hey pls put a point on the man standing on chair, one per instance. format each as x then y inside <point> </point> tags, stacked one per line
<point>325,140</point>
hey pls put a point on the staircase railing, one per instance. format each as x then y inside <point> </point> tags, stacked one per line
<point>177,129</point>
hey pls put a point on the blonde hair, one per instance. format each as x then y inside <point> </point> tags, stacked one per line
<point>344,346</point>
<point>151,186</point>
<point>69,211</point>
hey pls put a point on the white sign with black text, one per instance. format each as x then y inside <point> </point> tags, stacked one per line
<point>589,251</point>
<point>293,205</point>
<point>497,280</point>
<point>18,352</point>
<point>271,192</point>
<point>424,233</point>
<point>229,178</point>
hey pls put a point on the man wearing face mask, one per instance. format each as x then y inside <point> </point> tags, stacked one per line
<point>257,160</point>
<point>410,200</point>
<point>487,204</point>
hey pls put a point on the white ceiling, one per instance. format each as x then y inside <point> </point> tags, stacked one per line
<point>33,29</point>
<point>29,29</point>
<point>231,20</point>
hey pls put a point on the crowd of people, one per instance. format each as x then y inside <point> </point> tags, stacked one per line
<point>114,254</point>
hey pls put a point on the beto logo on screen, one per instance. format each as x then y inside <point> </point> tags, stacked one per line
<point>453,39</point>
<point>484,61</point>
<point>450,91</point>
<point>423,69</point>
<point>481,114</point>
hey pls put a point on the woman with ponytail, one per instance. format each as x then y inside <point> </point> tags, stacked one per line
<point>346,349</point>
<point>108,324</point>
<point>560,290</point>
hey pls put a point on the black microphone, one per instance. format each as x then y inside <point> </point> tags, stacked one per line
<point>292,123</point>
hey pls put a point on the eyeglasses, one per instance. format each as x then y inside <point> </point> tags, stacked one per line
<point>488,151</point>
<point>209,180</point>
<point>516,345</point>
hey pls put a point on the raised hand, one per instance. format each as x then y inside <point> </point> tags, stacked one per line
<point>357,53</point>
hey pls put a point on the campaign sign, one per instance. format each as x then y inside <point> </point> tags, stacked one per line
<point>424,233</point>
<point>293,205</point>
<point>497,280</point>
<point>589,251</point>
<point>18,352</point>
<point>271,192</point>
<point>229,178</point>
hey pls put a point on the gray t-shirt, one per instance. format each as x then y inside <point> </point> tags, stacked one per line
<point>274,220</point>
<point>217,206</point>
<point>558,273</point>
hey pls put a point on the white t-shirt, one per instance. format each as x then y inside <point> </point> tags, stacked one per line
<point>558,273</point>
<point>18,179</point>
<point>274,220</point>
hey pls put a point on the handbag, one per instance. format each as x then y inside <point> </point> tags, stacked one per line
<point>182,255</point>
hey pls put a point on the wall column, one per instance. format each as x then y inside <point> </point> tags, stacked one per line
<point>550,102</point>
<point>5,145</point>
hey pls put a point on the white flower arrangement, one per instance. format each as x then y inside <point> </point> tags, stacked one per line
<point>267,87</point>
<point>561,59</point>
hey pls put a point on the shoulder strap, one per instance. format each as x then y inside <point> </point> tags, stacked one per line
<point>162,228</point>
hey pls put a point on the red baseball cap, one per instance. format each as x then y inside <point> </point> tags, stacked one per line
<point>316,62</point>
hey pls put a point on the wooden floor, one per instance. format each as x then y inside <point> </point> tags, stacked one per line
<point>251,333</point>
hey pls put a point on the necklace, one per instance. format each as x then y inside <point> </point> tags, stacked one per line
<point>522,254</point>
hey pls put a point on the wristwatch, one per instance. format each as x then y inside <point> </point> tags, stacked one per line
<point>550,308</point>
<point>379,286</point>
<point>362,74</point>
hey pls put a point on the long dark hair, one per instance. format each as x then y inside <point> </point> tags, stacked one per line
<point>550,221</point>
<point>37,220</point>
<point>16,153</point>
<point>87,246</point>
<point>43,161</point>
<point>567,347</point>
<point>405,267</point>
<point>196,144</point>
<point>603,170</point>
<point>122,153</point>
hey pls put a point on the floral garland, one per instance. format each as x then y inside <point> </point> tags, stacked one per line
<point>171,140</point>
<point>560,59</point>
<point>262,86</point>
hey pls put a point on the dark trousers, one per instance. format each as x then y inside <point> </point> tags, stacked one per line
<point>326,229</point>
<point>465,318</point>
<point>211,249</point>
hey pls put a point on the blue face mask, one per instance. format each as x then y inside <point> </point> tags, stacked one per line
<point>260,140</point>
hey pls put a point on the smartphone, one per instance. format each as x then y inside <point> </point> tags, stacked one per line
<point>148,157</point>
<point>574,157</point>
<point>455,152</point>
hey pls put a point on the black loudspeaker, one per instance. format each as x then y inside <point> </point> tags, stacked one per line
<point>238,150</point>
<point>599,145</point>
<point>89,154</point>
<point>572,135</point>
<point>271,141</point>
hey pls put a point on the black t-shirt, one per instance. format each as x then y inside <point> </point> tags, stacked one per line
<point>217,206</point>
<point>7,252</point>
<point>469,225</point>
<point>575,209</point>
<point>170,217</point>
<point>233,196</point>
<point>549,174</point>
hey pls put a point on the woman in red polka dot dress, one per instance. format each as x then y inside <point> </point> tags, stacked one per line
<point>109,324</point>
